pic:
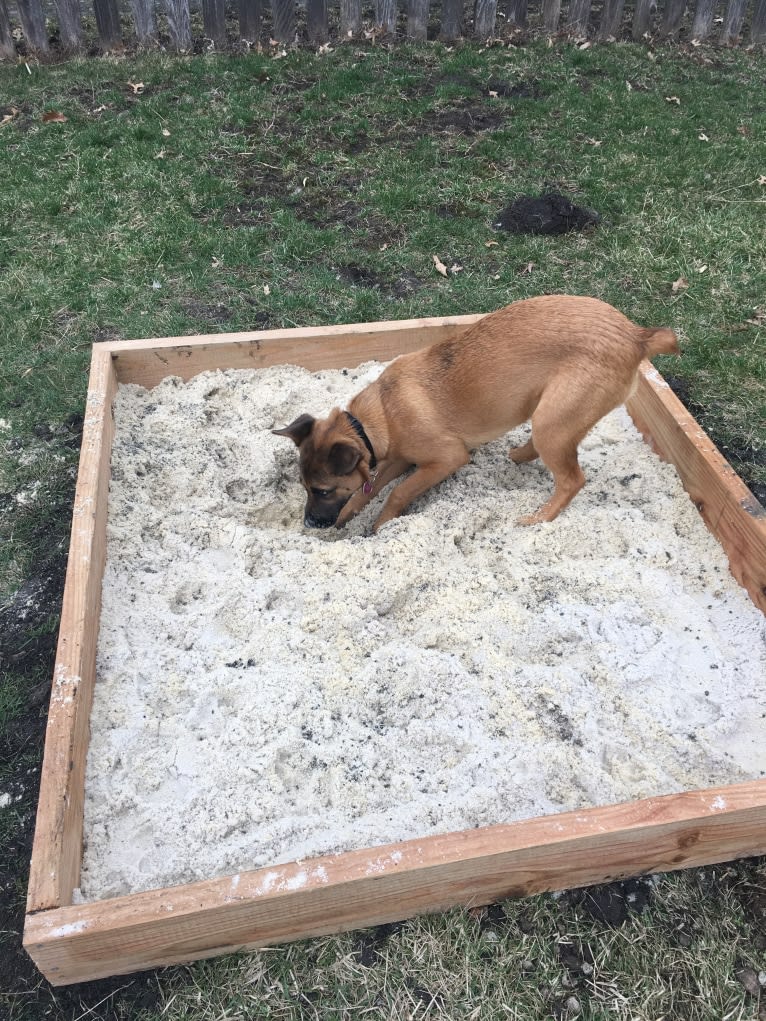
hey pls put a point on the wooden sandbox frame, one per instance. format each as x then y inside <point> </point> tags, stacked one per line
<point>72,943</point>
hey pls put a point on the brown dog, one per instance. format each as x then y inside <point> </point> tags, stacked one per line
<point>562,361</point>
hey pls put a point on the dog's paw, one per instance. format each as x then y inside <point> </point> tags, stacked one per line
<point>530,519</point>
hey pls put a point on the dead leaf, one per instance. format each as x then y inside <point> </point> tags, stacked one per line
<point>382,248</point>
<point>266,289</point>
<point>702,269</point>
<point>54,117</point>
<point>743,130</point>
<point>492,95</point>
<point>628,86</point>
<point>166,133</point>
<point>526,269</point>
<point>584,46</point>
<point>592,141</point>
<point>703,137</point>
<point>161,155</point>
<point>100,109</point>
<point>490,244</point>
<point>440,267</point>
<point>748,979</point>
<point>673,99</point>
<point>679,285</point>
<point>456,268</point>
<point>26,372</point>
<point>138,87</point>
<point>762,179</point>
<point>325,48</point>
<point>215,263</point>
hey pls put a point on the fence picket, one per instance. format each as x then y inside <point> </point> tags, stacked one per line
<point>385,16</point>
<point>452,20</point>
<point>758,27</point>
<point>70,23</point>
<point>33,24</point>
<point>417,20</point>
<point>611,19</point>
<point>671,18</point>
<point>350,18</point>
<point>107,23</point>
<point>516,13</point>
<point>485,18</point>
<point>579,16</point>
<point>316,17</point>
<point>732,22</point>
<point>642,19</point>
<point>283,20</point>
<point>551,15</point>
<point>214,22</point>
<point>7,49</point>
<point>703,19</point>
<point>179,24</point>
<point>250,20</point>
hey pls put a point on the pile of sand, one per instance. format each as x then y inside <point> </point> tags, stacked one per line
<point>266,693</point>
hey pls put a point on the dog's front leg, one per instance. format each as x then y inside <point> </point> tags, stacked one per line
<point>422,479</point>
<point>388,471</point>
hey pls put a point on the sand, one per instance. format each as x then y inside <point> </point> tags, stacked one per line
<point>267,693</point>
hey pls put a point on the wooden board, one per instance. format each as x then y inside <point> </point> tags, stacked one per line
<point>72,943</point>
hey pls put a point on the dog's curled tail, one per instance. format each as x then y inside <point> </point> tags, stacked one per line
<point>660,341</point>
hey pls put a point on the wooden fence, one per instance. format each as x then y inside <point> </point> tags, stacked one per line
<point>169,22</point>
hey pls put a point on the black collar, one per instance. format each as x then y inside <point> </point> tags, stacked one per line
<point>358,428</point>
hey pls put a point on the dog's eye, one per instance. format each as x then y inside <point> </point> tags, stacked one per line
<point>321,494</point>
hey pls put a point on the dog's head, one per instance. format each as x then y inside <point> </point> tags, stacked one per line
<point>334,463</point>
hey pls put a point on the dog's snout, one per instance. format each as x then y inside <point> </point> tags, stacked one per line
<point>310,521</point>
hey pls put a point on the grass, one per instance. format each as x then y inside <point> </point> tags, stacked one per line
<point>229,193</point>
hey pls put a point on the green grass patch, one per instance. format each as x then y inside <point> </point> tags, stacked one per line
<point>197,195</point>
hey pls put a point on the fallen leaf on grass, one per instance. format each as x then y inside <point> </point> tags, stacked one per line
<point>679,285</point>
<point>744,130</point>
<point>762,179</point>
<point>703,137</point>
<point>7,117</point>
<point>215,263</point>
<point>138,87</point>
<point>489,244</point>
<point>593,141</point>
<point>492,95</point>
<point>54,117</point>
<point>166,133</point>
<point>456,268</point>
<point>748,979</point>
<point>526,269</point>
<point>440,267</point>
<point>161,155</point>
<point>100,109</point>
<point>266,289</point>
<point>673,99</point>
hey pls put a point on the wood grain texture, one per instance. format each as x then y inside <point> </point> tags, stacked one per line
<point>57,850</point>
<point>727,506</point>
<point>362,888</point>
<point>319,347</point>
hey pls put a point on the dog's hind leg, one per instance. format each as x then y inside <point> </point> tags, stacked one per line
<point>422,479</point>
<point>558,426</point>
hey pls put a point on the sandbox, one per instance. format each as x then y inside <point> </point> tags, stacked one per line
<point>325,890</point>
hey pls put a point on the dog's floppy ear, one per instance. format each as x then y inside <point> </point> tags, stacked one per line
<point>297,430</point>
<point>343,458</point>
